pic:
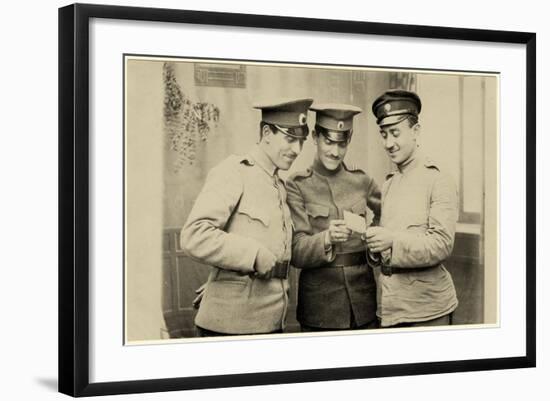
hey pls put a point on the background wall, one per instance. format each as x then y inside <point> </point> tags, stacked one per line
<point>238,126</point>
<point>28,207</point>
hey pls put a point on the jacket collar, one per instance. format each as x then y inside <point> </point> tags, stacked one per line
<point>419,160</point>
<point>263,160</point>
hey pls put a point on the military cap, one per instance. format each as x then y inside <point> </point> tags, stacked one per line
<point>288,116</point>
<point>395,105</point>
<point>336,119</point>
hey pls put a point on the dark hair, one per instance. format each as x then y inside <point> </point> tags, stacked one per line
<point>412,119</point>
<point>271,127</point>
<point>320,130</point>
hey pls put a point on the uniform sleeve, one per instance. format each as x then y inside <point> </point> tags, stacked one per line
<point>374,197</point>
<point>203,236</point>
<point>412,248</point>
<point>308,248</point>
<point>374,202</point>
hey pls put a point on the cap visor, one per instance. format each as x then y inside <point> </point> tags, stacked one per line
<point>295,132</point>
<point>336,136</point>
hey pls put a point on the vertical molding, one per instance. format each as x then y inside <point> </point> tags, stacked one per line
<point>482,241</point>
<point>461,147</point>
<point>66,243</point>
<point>531,201</point>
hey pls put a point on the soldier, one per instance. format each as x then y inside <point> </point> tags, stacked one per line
<point>336,287</point>
<point>240,224</point>
<point>417,228</point>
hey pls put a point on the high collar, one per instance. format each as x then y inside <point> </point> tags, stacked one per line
<point>263,160</point>
<point>418,159</point>
<point>411,163</point>
<point>320,169</point>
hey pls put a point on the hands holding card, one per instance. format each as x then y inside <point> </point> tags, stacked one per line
<point>338,232</point>
<point>355,222</point>
<point>378,238</point>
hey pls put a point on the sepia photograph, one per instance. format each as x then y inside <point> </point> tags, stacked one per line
<point>281,199</point>
<point>250,199</point>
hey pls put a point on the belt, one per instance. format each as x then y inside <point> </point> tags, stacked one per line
<point>389,270</point>
<point>280,270</point>
<point>348,259</point>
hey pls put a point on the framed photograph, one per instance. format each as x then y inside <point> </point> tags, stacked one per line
<point>250,199</point>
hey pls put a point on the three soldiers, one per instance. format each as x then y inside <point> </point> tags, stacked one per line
<point>244,226</point>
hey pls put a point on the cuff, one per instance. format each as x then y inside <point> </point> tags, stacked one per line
<point>329,249</point>
<point>249,256</point>
<point>386,257</point>
<point>373,259</point>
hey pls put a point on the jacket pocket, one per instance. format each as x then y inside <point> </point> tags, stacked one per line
<point>254,212</point>
<point>231,277</point>
<point>315,210</point>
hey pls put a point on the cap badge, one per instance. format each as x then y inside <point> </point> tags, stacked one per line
<point>387,107</point>
<point>340,125</point>
<point>302,119</point>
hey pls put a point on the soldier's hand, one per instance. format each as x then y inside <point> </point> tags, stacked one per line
<point>338,231</point>
<point>379,239</point>
<point>200,293</point>
<point>265,261</point>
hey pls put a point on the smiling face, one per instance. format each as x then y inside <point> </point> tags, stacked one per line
<point>330,153</point>
<point>281,149</point>
<point>400,140</point>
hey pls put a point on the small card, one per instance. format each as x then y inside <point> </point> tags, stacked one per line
<point>355,222</point>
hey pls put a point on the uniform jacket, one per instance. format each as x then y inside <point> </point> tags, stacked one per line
<point>328,295</point>
<point>419,204</point>
<point>240,209</point>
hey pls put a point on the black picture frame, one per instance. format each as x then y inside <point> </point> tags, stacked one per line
<point>74,191</point>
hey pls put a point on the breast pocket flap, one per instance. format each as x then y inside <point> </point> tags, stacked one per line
<point>315,210</point>
<point>254,213</point>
